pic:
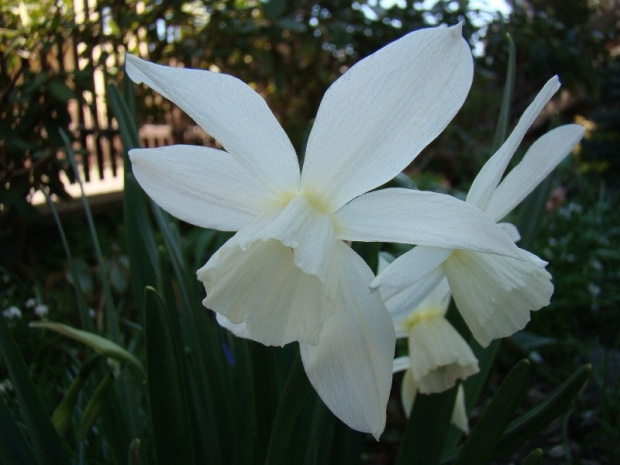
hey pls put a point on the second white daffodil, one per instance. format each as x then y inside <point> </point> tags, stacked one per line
<point>493,293</point>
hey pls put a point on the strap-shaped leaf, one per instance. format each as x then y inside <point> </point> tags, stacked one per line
<point>94,406</point>
<point>80,299</point>
<point>534,458</point>
<point>427,428</point>
<point>48,448</point>
<point>167,384</point>
<point>540,416</point>
<point>99,344</point>
<point>64,412</point>
<point>503,121</point>
<point>478,449</point>
<point>14,448</point>
<point>111,314</point>
<point>293,399</point>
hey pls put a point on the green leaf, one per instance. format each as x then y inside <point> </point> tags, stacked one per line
<point>319,443</point>
<point>479,447</point>
<point>292,401</point>
<point>60,91</point>
<point>80,298</point>
<point>264,396</point>
<point>134,452</point>
<point>14,448</point>
<point>527,341</point>
<point>503,122</point>
<point>98,343</point>
<point>534,458</point>
<point>94,406</point>
<point>346,445</point>
<point>167,384</point>
<point>531,211</point>
<point>126,121</point>
<point>111,316</point>
<point>141,245</point>
<point>48,448</point>
<point>474,384</point>
<point>427,428</point>
<point>540,416</point>
<point>63,413</point>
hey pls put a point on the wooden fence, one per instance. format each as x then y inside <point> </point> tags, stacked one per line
<point>97,143</point>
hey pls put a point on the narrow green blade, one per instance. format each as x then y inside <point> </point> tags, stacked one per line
<point>85,319</point>
<point>291,403</point>
<point>64,411</point>
<point>320,440</point>
<point>534,458</point>
<point>14,448</point>
<point>427,428</point>
<point>48,448</point>
<point>94,406</point>
<point>544,413</point>
<point>503,121</point>
<point>479,447</point>
<point>167,384</point>
<point>111,316</point>
<point>99,344</point>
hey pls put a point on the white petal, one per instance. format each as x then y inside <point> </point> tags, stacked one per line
<point>408,392</point>
<point>385,258</point>
<point>436,301</point>
<point>439,355</point>
<point>199,185</point>
<point>400,364</point>
<point>411,276</point>
<point>298,225</point>
<point>261,286</point>
<point>542,157</point>
<point>351,367</point>
<point>401,301</point>
<point>423,218</point>
<point>487,180</point>
<point>511,231</point>
<point>495,294</point>
<point>459,414</point>
<point>231,112</point>
<point>380,114</point>
<point>239,330</point>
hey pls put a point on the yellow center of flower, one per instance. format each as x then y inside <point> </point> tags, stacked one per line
<point>420,315</point>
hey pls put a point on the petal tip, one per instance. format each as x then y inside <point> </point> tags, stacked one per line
<point>457,30</point>
<point>133,155</point>
<point>131,68</point>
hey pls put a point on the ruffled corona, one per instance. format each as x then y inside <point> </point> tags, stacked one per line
<point>439,355</point>
<point>496,294</point>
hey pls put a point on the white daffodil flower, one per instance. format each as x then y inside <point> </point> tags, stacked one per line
<point>287,275</point>
<point>493,293</point>
<point>438,354</point>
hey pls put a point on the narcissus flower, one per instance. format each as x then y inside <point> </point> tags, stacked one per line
<point>493,293</point>
<point>438,354</point>
<point>287,275</point>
